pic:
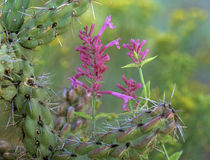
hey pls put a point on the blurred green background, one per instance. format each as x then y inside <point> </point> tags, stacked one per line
<point>178,32</point>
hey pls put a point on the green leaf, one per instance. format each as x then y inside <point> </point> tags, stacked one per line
<point>106,115</point>
<point>83,115</point>
<point>176,156</point>
<point>102,115</point>
<point>148,60</point>
<point>130,65</point>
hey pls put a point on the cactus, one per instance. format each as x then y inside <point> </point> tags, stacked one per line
<point>50,22</point>
<point>47,137</point>
<point>13,14</point>
<point>19,87</point>
<point>133,140</point>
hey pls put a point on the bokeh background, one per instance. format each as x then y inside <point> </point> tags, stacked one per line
<point>178,32</point>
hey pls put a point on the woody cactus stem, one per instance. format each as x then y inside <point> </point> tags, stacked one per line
<point>133,140</point>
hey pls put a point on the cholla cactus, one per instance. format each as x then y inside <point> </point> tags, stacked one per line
<point>28,99</point>
<point>23,92</point>
<point>133,139</point>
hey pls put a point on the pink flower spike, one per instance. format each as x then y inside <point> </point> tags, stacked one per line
<point>136,46</point>
<point>142,43</point>
<point>121,87</point>
<point>107,23</point>
<point>124,79</point>
<point>121,96</point>
<point>131,87</point>
<point>110,44</point>
<point>93,58</point>
<point>75,82</point>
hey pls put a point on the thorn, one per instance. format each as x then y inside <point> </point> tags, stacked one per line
<point>52,91</point>
<point>40,8</point>
<point>13,121</point>
<point>59,41</point>
<point>172,93</point>
<point>180,131</point>
<point>78,20</point>
<point>25,14</point>
<point>93,12</point>
<point>164,97</point>
<point>8,122</point>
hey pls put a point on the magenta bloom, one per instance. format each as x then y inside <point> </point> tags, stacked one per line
<point>126,98</point>
<point>93,57</point>
<point>131,87</point>
<point>136,46</point>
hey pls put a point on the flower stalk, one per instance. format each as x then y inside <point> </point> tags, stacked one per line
<point>165,151</point>
<point>93,102</point>
<point>142,81</point>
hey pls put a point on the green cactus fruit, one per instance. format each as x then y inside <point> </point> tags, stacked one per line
<point>7,90</point>
<point>85,148</point>
<point>75,100</point>
<point>4,146</point>
<point>9,152</point>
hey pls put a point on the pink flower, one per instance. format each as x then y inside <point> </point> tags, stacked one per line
<point>93,57</point>
<point>126,98</point>
<point>131,87</point>
<point>136,46</point>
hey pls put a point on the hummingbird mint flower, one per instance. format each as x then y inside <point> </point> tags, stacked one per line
<point>135,47</point>
<point>125,98</point>
<point>93,57</point>
<point>131,87</point>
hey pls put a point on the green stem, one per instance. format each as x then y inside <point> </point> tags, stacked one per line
<point>132,109</point>
<point>142,81</point>
<point>165,151</point>
<point>93,115</point>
